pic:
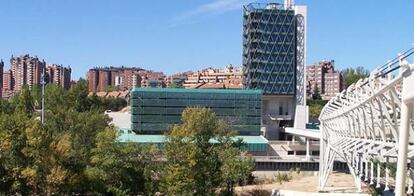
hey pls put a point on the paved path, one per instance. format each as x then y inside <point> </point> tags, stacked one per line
<point>338,182</point>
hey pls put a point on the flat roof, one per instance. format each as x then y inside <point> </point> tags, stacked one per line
<point>192,90</point>
<point>121,120</point>
<point>129,136</point>
<point>310,133</point>
<point>253,139</point>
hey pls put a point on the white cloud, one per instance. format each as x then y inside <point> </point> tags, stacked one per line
<point>213,7</point>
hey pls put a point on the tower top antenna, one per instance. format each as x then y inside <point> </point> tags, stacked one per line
<point>289,4</point>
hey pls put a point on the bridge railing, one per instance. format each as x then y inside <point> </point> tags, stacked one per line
<point>370,125</point>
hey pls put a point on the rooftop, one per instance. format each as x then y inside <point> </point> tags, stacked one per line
<point>265,6</point>
<point>126,135</point>
<point>187,90</point>
<point>120,120</point>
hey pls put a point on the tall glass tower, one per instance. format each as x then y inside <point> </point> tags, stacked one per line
<point>274,43</point>
<point>269,48</point>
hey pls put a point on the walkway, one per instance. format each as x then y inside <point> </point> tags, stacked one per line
<point>370,126</point>
<point>339,183</point>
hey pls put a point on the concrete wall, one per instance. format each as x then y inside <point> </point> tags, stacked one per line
<point>277,111</point>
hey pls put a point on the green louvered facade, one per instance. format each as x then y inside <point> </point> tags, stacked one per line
<point>154,110</point>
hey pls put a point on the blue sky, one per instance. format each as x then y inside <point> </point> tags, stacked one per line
<point>174,36</point>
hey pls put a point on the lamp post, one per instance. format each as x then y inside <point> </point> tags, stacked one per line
<point>43,93</point>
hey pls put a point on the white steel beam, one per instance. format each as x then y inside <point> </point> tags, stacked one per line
<point>371,121</point>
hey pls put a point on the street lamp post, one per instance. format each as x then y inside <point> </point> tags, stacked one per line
<point>43,94</point>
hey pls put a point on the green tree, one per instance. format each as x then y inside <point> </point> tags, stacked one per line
<point>235,168</point>
<point>78,96</point>
<point>175,85</point>
<point>315,107</point>
<point>189,148</point>
<point>24,101</point>
<point>118,168</point>
<point>76,151</point>
<point>112,88</point>
<point>6,107</point>
<point>56,98</point>
<point>53,159</point>
<point>13,159</point>
<point>316,95</point>
<point>114,104</point>
<point>352,75</point>
<point>36,93</point>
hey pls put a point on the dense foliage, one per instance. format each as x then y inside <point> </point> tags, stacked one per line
<point>77,95</point>
<point>70,153</point>
<point>195,165</point>
<point>352,75</point>
<point>175,85</point>
<point>76,151</point>
<point>315,107</point>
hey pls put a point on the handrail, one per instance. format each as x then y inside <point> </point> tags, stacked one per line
<point>371,121</point>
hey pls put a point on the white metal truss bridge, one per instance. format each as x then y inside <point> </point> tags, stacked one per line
<point>370,127</point>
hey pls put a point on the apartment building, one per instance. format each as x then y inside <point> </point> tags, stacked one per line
<point>26,70</point>
<point>102,79</point>
<point>93,78</point>
<point>7,81</point>
<point>178,78</point>
<point>123,78</point>
<point>334,84</point>
<point>1,76</point>
<point>210,78</point>
<point>59,75</point>
<point>152,79</point>
<point>323,77</point>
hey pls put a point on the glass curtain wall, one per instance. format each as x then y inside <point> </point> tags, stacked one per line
<point>154,110</point>
<point>269,49</point>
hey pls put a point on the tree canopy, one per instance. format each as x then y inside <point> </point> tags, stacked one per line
<point>189,148</point>
<point>315,107</point>
<point>76,151</point>
<point>316,95</point>
<point>175,85</point>
<point>352,75</point>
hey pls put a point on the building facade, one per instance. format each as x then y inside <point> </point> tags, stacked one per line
<point>127,80</point>
<point>26,70</point>
<point>1,77</point>
<point>334,84</point>
<point>322,78</point>
<point>153,110</point>
<point>7,84</point>
<point>93,77</point>
<point>152,79</point>
<point>117,78</point>
<point>178,79</point>
<point>7,81</point>
<point>274,53</point>
<point>227,78</point>
<point>59,75</point>
<point>269,44</point>
<point>123,78</point>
